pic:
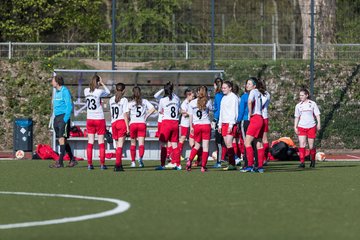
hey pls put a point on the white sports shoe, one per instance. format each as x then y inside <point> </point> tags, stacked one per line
<point>170,165</point>
<point>133,164</point>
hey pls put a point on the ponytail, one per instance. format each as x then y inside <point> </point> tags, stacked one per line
<point>218,82</point>
<point>202,98</point>
<point>168,90</point>
<point>137,95</point>
<point>94,83</point>
<point>120,87</point>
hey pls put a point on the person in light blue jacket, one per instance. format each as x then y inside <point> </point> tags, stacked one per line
<point>220,147</point>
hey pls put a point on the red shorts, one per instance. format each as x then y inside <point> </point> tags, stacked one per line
<point>236,134</point>
<point>266,125</point>
<point>309,132</point>
<point>256,126</point>
<point>118,129</point>
<point>169,131</point>
<point>157,134</point>
<point>184,131</point>
<point>94,126</point>
<point>224,130</point>
<point>137,130</point>
<point>202,132</point>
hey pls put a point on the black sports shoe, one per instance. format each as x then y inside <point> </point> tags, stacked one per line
<point>118,168</point>
<point>312,164</point>
<point>72,163</point>
<point>301,165</point>
<point>56,165</point>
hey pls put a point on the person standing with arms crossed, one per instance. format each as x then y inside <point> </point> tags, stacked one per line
<point>63,107</point>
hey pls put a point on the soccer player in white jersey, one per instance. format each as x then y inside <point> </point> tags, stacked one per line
<point>265,102</point>
<point>305,125</point>
<point>255,130</point>
<point>200,126</point>
<point>185,120</point>
<point>119,122</point>
<point>140,109</point>
<point>229,107</point>
<point>95,121</point>
<point>169,105</point>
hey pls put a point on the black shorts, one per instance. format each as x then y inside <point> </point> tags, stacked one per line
<point>62,129</point>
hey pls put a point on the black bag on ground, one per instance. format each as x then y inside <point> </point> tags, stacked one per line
<point>280,151</point>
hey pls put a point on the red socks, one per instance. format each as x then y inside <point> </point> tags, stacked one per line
<point>231,154</point>
<point>250,156</point>
<point>133,152</point>
<point>312,154</point>
<point>89,153</point>
<point>223,153</point>
<point>175,156</point>
<point>260,152</point>
<point>192,154</point>
<point>266,150</point>
<point>180,145</point>
<point>169,151</point>
<point>302,155</point>
<point>200,151</point>
<point>102,153</point>
<point>205,156</point>
<point>163,155</point>
<point>118,161</point>
<point>141,151</point>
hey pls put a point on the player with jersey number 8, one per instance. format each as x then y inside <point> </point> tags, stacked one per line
<point>95,121</point>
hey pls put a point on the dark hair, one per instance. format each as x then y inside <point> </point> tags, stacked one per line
<point>229,83</point>
<point>187,92</point>
<point>120,87</point>
<point>218,82</point>
<point>94,83</point>
<point>137,95</point>
<point>235,89</point>
<point>202,98</point>
<point>258,83</point>
<point>59,80</point>
<point>168,90</point>
<point>305,90</point>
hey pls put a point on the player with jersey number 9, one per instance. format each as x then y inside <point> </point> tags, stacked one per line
<point>95,121</point>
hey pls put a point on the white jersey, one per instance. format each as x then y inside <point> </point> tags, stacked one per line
<point>306,112</point>
<point>93,102</point>
<point>229,108</point>
<point>200,116</point>
<point>138,112</point>
<point>185,121</point>
<point>255,97</point>
<point>265,105</point>
<point>169,108</point>
<point>118,110</point>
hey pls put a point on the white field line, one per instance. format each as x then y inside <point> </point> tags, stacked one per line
<point>357,157</point>
<point>122,206</point>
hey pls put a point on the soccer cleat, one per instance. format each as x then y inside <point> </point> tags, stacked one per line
<point>238,161</point>
<point>177,167</point>
<point>203,169</point>
<point>132,164</point>
<point>160,168</point>
<point>259,170</point>
<point>170,165</point>
<point>103,167</point>
<point>90,167</point>
<point>118,168</point>
<point>56,165</point>
<point>230,168</point>
<point>247,169</point>
<point>188,166</point>
<point>141,164</point>
<point>312,163</point>
<point>217,165</point>
<point>266,163</point>
<point>301,165</point>
<point>72,163</point>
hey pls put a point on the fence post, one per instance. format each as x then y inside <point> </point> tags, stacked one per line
<point>10,54</point>
<point>98,51</point>
<point>186,50</point>
<point>274,51</point>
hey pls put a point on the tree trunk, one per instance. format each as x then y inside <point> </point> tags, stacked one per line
<point>108,12</point>
<point>325,23</point>
<point>276,23</point>
<point>304,6</point>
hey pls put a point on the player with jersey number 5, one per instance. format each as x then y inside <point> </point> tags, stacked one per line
<point>95,121</point>
<point>200,126</point>
<point>169,106</point>
<point>305,125</point>
<point>119,122</point>
<point>140,109</point>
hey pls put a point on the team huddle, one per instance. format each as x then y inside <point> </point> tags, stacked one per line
<point>240,123</point>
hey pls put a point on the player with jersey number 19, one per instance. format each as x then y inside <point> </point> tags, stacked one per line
<point>95,122</point>
<point>305,125</point>
<point>169,106</point>
<point>200,126</point>
<point>119,122</point>
<point>140,109</point>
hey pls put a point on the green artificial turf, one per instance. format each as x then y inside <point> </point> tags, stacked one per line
<point>282,203</point>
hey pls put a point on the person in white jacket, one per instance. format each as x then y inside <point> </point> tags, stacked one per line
<point>228,115</point>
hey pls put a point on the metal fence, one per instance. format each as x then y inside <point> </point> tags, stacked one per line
<point>143,52</point>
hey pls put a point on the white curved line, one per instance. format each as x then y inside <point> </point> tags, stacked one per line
<point>122,206</point>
